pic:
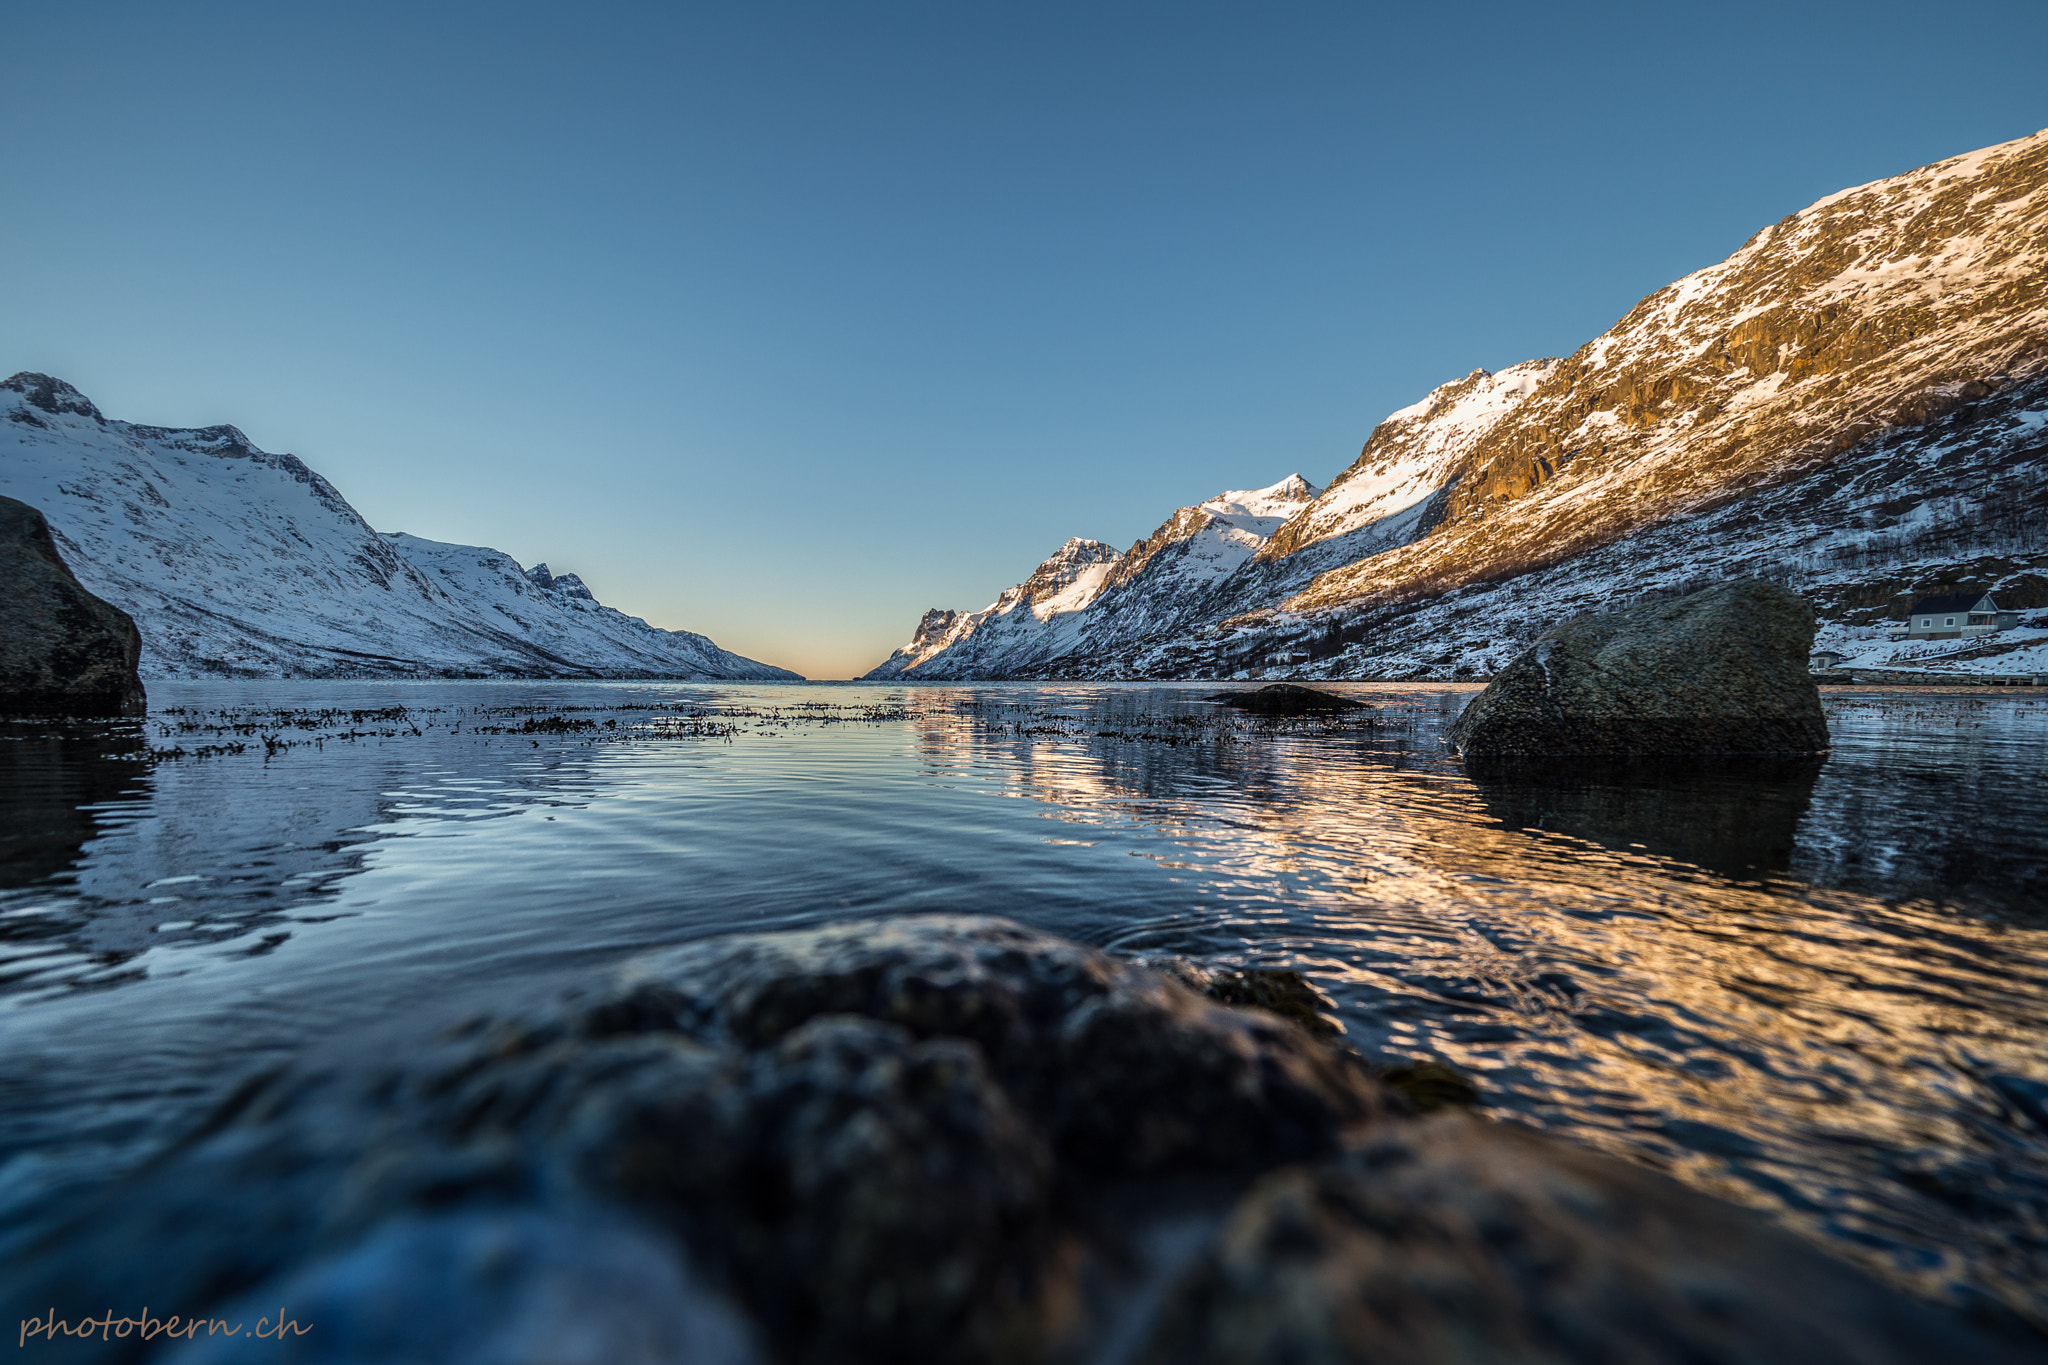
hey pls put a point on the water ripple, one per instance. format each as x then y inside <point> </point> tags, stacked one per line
<point>1819,990</point>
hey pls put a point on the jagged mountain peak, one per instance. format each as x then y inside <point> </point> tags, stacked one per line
<point>932,625</point>
<point>1060,570</point>
<point>51,395</point>
<point>566,584</point>
<point>569,585</point>
<point>1384,494</point>
<point>1282,499</point>
<point>1477,394</point>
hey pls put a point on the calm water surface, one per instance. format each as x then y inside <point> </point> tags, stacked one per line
<point>1819,990</point>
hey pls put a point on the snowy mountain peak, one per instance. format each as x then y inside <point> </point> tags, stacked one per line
<point>1383,497</point>
<point>1065,566</point>
<point>569,585</point>
<point>1479,393</point>
<point>931,626</point>
<point>53,396</point>
<point>1282,499</point>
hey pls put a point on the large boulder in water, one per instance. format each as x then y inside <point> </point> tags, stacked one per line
<point>63,652</point>
<point>1723,671</point>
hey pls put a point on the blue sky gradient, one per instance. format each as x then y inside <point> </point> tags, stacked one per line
<point>783,322</point>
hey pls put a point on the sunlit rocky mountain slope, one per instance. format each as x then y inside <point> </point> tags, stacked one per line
<point>239,563</point>
<point>1852,403</point>
<point>1087,591</point>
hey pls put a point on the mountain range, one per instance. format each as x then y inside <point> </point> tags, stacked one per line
<point>1853,404</point>
<point>236,562</point>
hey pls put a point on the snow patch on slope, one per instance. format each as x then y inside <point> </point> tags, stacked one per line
<point>1411,455</point>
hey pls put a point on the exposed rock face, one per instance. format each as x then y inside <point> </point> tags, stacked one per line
<point>1882,306</point>
<point>1453,1241</point>
<point>63,652</point>
<point>934,1138</point>
<point>1720,672</point>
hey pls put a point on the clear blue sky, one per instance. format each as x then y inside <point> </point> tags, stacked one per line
<point>783,322</point>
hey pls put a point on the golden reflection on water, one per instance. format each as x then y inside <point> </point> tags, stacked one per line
<point>1629,961</point>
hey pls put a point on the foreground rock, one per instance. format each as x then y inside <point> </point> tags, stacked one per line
<point>1723,671</point>
<point>63,652</point>
<point>1451,1241</point>
<point>935,1138</point>
<point>1288,699</point>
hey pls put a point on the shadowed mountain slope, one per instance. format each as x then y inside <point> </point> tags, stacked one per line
<point>236,562</point>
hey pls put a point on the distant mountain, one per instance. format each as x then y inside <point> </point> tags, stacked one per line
<point>239,563</point>
<point>1088,591</point>
<point>1852,404</point>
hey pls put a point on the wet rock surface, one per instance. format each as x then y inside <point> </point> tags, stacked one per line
<point>489,1288</point>
<point>1452,1240</point>
<point>63,651</point>
<point>1722,671</point>
<point>938,1138</point>
<point>1287,699</point>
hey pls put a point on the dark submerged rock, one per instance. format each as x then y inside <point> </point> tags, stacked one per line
<point>1288,699</point>
<point>1277,990</point>
<point>1450,1240</point>
<point>1429,1085</point>
<point>1723,671</point>
<point>937,1138</point>
<point>63,652</point>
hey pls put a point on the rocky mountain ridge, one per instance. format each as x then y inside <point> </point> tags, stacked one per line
<point>1163,581</point>
<point>236,562</point>
<point>1847,404</point>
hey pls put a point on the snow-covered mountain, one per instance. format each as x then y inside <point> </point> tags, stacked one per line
<point>238,563</point>
<point>1087,592</point>
<point>1849,404</point>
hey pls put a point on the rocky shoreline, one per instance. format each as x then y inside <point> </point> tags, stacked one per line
<point>941,1138</point>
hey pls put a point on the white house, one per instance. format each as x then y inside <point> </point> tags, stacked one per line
<point>1958,615</point>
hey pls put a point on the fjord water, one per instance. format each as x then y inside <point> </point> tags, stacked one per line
<point>1817,989</point>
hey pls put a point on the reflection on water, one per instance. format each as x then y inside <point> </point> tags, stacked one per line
<point>1736,817</point>
<point>1821,990</point>
<point>52,779</point>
